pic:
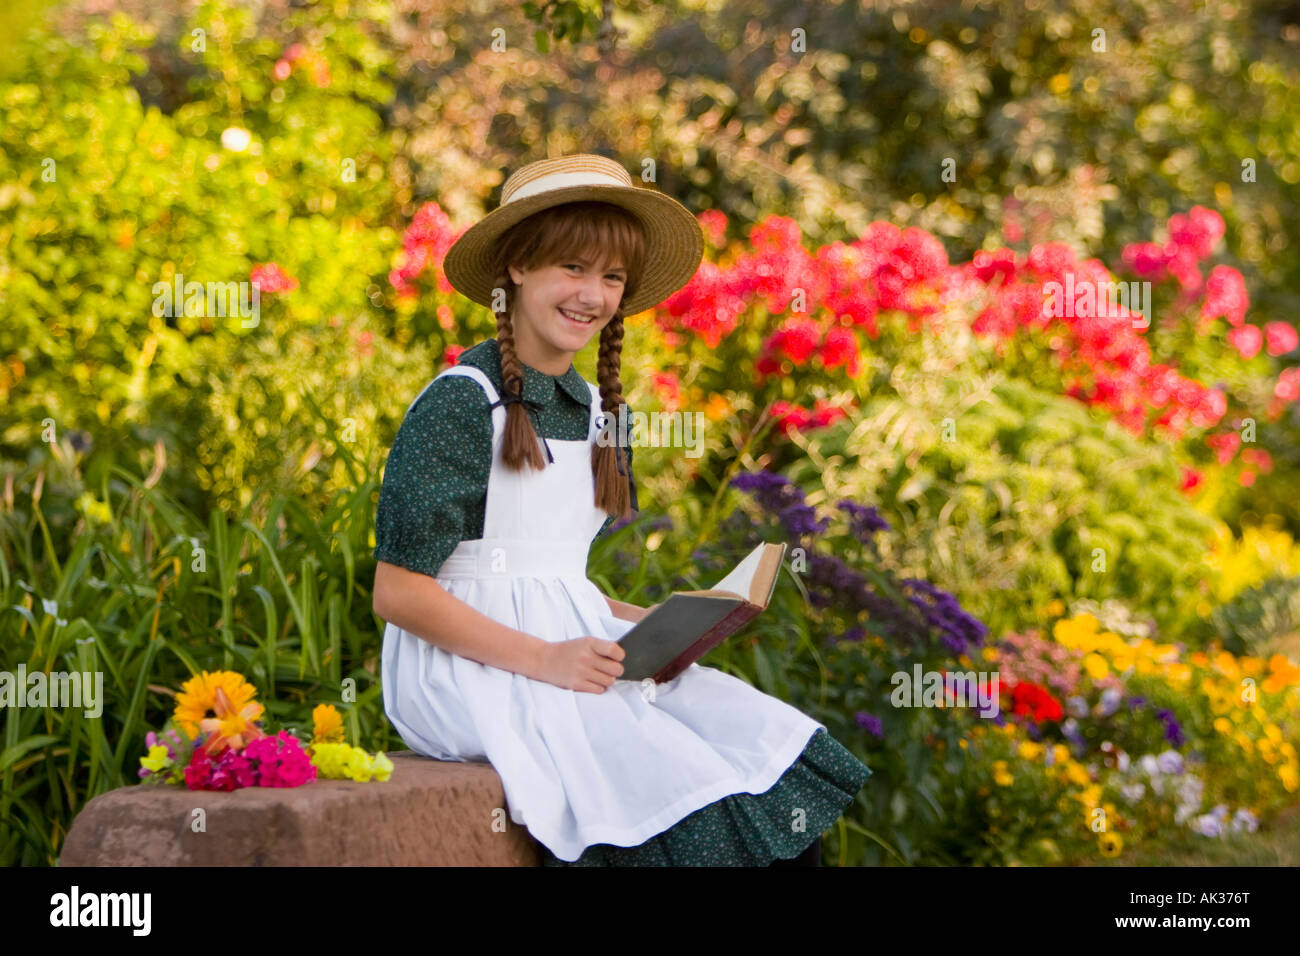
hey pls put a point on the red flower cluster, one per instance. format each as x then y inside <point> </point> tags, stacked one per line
<point>1191,239</point>
<point>269,277</point>
<point>424,245</point>
<point>1033,700</point>
<point>793,418</point>
<point>833,294</point>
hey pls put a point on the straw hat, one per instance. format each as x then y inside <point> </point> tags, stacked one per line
<point>674,240</point>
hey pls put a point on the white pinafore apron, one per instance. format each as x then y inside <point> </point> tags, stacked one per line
<point>578,768</point>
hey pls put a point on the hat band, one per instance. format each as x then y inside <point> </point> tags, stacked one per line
<point>563,180</point>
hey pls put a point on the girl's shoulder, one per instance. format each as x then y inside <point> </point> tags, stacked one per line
<point>459,387</point>
<point>452,399</point>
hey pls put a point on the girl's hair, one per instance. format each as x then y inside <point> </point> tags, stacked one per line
<point>557,234</point>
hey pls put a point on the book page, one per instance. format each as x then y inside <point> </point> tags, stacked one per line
<point>740,580</point>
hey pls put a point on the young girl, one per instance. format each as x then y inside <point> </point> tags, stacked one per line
<point>498,647</point>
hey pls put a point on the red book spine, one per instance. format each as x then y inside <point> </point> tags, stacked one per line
<point>711,638</point>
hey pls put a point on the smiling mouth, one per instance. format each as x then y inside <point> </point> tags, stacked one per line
<point>577,317</point>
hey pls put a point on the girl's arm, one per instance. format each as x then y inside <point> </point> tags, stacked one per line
<point>417,603</point>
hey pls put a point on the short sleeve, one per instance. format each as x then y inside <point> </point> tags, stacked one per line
<point>436,476</point>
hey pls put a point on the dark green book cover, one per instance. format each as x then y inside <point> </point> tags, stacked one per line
<point>689,624</point>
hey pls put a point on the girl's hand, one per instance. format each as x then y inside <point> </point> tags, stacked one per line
<point>588,664</point>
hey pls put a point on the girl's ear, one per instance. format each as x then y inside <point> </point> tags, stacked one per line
<point>516,275</point>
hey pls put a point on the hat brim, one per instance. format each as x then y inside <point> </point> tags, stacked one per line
<point>674,241</point>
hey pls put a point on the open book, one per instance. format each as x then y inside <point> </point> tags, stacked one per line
<point>689,624</point>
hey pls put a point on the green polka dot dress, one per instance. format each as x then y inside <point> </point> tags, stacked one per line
<point>705,770</point>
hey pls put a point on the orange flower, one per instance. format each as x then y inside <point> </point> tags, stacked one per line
<point>220,704</point>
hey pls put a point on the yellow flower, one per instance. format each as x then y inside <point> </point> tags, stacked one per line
<point>1095,665</point>
<point>1000,775</point>
<point>989,653</point>
<point>1223,725</point>
<point>1075,773</point>
<point>1061,753</point>
<point>198,699</point>
<point>383,767</point>
<point>1226,664</point>
<point>1030,750</point>
<point>1055,609</point>
<point>1075,631</point>
<point>962,743</point>
<point>1290,779</point>
<point>1243,741</point>
<point>328,759</point>
<point>1091,795</point>
<point>327,724</point>
<point>1273,733</point>
<point>157,758</point>
<point>1110,844</point>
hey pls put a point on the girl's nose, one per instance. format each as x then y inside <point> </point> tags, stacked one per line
<point>589,293</point>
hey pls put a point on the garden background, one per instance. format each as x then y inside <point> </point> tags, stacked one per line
<point>1103,513</point>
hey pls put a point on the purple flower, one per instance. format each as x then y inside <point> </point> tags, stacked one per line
<point>864,521</point>
<point>852,634</point>
<point>1136,701</point>
<point>958,630</point>
<point>870,723</point>
<point>1173,732</point>
<point>1208,825</point>
<point>776,494</point>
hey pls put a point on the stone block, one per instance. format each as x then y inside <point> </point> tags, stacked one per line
<point>429,813</point>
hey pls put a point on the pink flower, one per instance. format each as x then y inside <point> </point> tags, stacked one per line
<point>1281,338</point>
<point>1259,458</point>
<point>1247,340</point>
<point>1225,295</point>
<point>279,761</point>
<point>1225,446</point>
<point>1000,262</point>
<point>1147,259</point>
<point>271,278</point>
<point>1181,263</point>
<point>1051,259</point>
<point>714,224</point>
<point>1288,384</point>
<point>1197,232</point>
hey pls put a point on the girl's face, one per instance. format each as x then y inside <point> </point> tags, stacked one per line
<point>545,337</point>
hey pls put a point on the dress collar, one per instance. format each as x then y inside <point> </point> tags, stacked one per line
<point>538,385</point>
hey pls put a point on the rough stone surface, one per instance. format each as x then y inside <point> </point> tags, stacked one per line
<point>428,813</point>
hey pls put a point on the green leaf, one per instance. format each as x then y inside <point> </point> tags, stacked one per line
<point>12,754</point>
